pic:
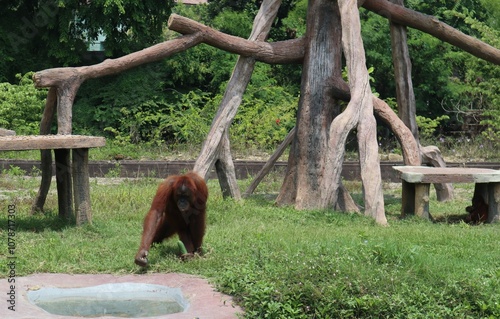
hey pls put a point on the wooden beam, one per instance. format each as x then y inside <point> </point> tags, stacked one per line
<point>431,25</point>
<point>49,142</point>
<point>280,52</point>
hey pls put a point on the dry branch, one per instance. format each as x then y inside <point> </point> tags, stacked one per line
<point>68,80</point>
<point>224,167</point>
<point>434,27</point>
<point>60,76</point>
<point>281,52</point>
<point>270,163</point>
<point>409,145</point>
<point>401,61</point>
<point>45,155</point>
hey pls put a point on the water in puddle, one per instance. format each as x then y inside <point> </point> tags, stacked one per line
<point>127,300</point>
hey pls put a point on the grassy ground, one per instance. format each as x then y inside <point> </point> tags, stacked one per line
<point>277,262</point>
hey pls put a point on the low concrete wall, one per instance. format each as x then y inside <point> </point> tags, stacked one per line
<point>244,169</point>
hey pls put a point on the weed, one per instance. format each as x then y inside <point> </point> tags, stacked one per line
<point>14,171</point>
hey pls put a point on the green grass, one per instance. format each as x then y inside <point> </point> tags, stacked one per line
<point>278,262</point>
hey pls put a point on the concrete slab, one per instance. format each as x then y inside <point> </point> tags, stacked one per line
<point>204,301</point>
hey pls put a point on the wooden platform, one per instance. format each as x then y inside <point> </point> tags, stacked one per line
<point>72,171</point>
<point>416,182</point>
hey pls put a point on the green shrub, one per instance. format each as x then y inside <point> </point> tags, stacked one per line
<point>427,126</point>
<point>266,115</point>
<point>21,105</point>
<point>134,107</point>
<point>185,118</point>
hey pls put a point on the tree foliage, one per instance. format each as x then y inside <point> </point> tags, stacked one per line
<point>447,81</point>
<point>146,104</point>
<point>21,105</point>
<point>45,33</point>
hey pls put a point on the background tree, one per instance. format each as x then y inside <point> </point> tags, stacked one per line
<point>439,86</point>
<point>59,31</point>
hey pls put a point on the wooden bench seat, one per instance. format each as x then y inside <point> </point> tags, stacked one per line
<point>49,142</point>
<point>416,182</point>
<point>72,173</point>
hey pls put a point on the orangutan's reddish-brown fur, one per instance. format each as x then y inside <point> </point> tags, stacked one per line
<point>478,212</point>
<point>179,207</point>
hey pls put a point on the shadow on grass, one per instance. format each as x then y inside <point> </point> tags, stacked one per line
<point>38,222</point>
<point>167,249</point>
<point>450,219</point>
<point>392,204</point>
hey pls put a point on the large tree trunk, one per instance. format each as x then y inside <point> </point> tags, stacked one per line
<point>317,108</point>
<point>313,177</point>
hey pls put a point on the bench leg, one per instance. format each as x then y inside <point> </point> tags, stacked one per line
<point>422,200</point>
<point>408,199</point>
<point>415,199</point>
<point>46,167</point>
<point>493,203</point>
<point>81,186</point>
<point>63,179</point>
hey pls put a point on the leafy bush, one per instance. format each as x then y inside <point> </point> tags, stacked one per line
<point>21,105</point>
<point>101,102</point>
<point>267,114</point>
<point>427,126</point>
<point>186,120</point>
<point>145,106</point>
<point>135,107</point>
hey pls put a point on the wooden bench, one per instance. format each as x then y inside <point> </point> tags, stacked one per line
<point>72,173</point>
<point>416,182</point>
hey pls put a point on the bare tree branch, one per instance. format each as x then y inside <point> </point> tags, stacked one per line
<point>282,52</point>
<point>431,25</point>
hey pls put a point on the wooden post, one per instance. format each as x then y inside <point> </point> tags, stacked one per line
<point>415,199</point>
<point>422,200</point>
<point>45,155</point>
<point>493,203</point>
<point>402,73</point>
<point>64,187</point>
<point>407,199</point>
<point>359,114</point>
<point>81,187</point>
<point>224,167</point>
